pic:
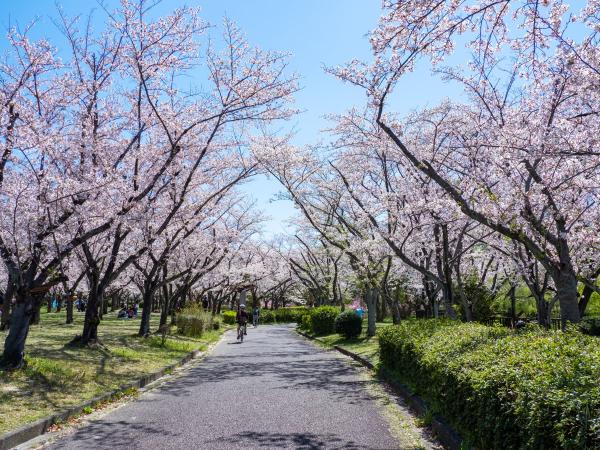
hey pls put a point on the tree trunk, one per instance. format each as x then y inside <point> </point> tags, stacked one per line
<point>583,302</point>
<point>113,302</point>
<point>371,301</point>
<point>14,345</point>
<point>69,307</point>
<point>164,312</point>
<point>6,305</point>
<point>513,304</point>
<point>37,309</point>
<point>147,299</point>
<point>89,336</point>
<point>565,282</point>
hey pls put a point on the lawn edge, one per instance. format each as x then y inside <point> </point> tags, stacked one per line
<point>40,427</point>
<point>447,435</point>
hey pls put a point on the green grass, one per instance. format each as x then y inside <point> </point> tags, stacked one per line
<point>364,346</point>
<point>58,376</point>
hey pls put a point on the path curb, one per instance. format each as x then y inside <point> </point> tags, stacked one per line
<point>41,426</point>
<point>444,432</point>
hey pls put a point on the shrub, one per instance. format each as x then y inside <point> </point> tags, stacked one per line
<point>229,317</point>
<point>216,324</point>
<point>502,389</point>
<point>305,322</point>
<point>266,316</point>
<point>322,319</point>
<point>290,314</point>
<point>348,324</point>
<point>590,326</point>
<point>193,321</point>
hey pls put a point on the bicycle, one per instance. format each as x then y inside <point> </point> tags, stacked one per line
<point>240,333</point>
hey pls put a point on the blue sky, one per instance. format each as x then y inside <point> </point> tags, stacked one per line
<point>316,32</point>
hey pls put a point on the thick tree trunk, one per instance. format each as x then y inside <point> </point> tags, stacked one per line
<point>147,299</point>
<point>14,345</point>
<point>394,305</point>
<point>69,307</point>
<point>371,301</point>
<point>565,282</point>
<point>89,336</point>
<point>37,309</point>
<point>543,313</point>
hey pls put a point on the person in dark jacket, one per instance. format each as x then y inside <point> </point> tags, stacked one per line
<point>241,318</point>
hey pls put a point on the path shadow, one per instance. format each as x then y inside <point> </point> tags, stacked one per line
<point>299,441</point>
<point>103,434</point>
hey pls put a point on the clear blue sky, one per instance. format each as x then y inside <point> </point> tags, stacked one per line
<point>316,32</point>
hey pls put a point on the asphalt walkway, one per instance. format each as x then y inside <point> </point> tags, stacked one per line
<point>274,391</point>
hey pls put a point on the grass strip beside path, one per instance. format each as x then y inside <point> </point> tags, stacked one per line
<point>58,376</point>
<point>364,346</point>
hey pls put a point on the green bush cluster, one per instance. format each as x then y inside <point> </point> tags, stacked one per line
<point>291,314</point>
<point>500,388</point>
<point>590,326</point>
<point>320,321</point>
<point>348,323</point>
<point>282,315</point>
<point>229,317</point>
<point>194,321</point>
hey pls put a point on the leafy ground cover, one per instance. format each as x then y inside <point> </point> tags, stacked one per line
<point>501,388</point>
<point>58,376</point>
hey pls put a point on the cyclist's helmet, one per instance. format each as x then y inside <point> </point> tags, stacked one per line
<point>243,306</point>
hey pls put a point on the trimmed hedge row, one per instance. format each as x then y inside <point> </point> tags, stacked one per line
<point>502,389</point>
<point>320,321</point>
<point>281,315</point>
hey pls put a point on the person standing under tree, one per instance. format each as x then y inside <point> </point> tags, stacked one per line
<point>255,316</point>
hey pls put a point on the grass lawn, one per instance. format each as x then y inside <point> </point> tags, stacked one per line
<point>57,376</point>
<point>365,346</point>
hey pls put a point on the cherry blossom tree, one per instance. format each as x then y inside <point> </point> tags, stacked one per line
<point>107,135</point>
<point>521,156</point>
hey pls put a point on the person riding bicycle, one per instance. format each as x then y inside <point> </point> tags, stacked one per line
<point>242,319</point>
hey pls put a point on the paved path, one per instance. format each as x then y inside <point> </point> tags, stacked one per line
<point>273,391</point>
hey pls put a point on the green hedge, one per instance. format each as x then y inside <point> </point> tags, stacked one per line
<point>229,317</point>
<point>322,320</point>
<point>348,323</point>
<point>281,315</point>
<point>502,389</point>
